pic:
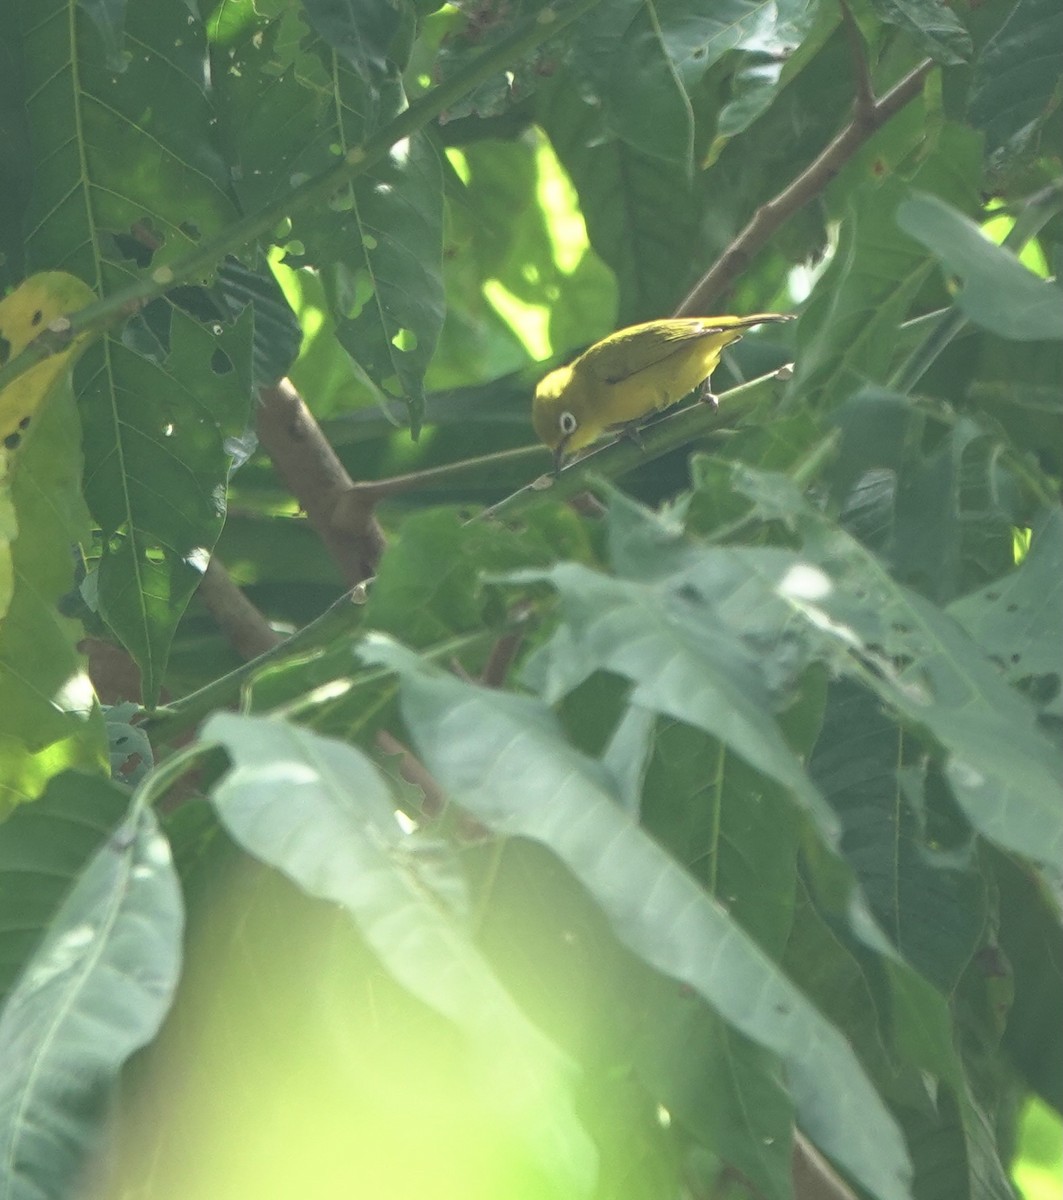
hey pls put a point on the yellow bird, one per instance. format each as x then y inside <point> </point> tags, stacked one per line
<point>632,373</point>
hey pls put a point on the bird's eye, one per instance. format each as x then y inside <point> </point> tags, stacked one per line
<point>567,423</point>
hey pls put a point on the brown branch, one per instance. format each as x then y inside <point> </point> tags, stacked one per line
<point>115,676</point>
<point>363,495</point>
<point>305,460</point>
<point>813,1177</point>
<point>721,277</point>
<point>244,627</point>
<point>414,771</point>
<point>501,659</point>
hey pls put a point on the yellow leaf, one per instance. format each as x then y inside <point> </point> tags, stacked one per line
<point>37,304</point>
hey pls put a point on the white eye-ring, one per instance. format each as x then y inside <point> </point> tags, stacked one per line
<point>567,423</point>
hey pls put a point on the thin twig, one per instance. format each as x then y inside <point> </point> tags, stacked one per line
<point>721,277</point>
<point>618,457</point>
<point>341,618</point>
<point>348,514</point>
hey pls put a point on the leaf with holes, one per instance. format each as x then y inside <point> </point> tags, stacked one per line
<point>47,716</point>
<point>158,491</point>
<point>126,176</point>
<point>1003,770</point>
<point>1016,619</point>
<point>290,107</point>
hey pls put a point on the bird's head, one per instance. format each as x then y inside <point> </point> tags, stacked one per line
<point>555,411</point>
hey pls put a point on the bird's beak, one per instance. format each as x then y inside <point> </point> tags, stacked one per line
<point>559,455</point>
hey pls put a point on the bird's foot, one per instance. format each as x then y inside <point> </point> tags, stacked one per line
<point>705,395</point>
<point>632,432</point>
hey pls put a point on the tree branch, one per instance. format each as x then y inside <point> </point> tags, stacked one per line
<point>314,475</point>
<point>244,627</point>
<point>434,799</point>
<point>349,513</point>
<point>342,618</point>
<point>617,457</point>
<point>721,277</point>
<point>813,1177</point>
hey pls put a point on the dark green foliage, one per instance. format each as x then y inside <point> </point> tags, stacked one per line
<point>622,839</point>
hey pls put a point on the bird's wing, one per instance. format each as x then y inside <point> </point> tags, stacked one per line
<point>644,346</point>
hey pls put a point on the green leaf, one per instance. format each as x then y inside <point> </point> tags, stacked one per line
<point>639,62</point>
<point>639,211</point>
<point>1002,769</point>
<point>904,1031</point>
<point>1017,74</point>
<point>622,59</point>
<point>797,39</point>
<point>1020,385</point>
<point>627,755</point>
<point>931,903</point>
<point>696,37</point>
<point>127,174</point>
<point>95,990</point>
<point>15,163</point>
<point>502,757</point>
<point>1015,619</point>
<point>318,811</point>
<point>832,968</point>
<point>430,584</point>
<point>666,637</point>
<point>277,336</point>
<point>737,835</point>
<point>940,509</point>
<point>513,220</point>
<point>843,334</point>
<point>935,27</point>
<point>726,1091</point>
<point>109,18</point>
<point>1029,938</point>
<point>997,292</point>
<point>362,31</point>
<point>956,509</point>
<point>395,235</point>
<point>156,436</point>
<point>288,110</point>
<point>747,171</point>
<point>124,156</point>
<point>44,847</point>
<point>847,333</point>
<point>493,228</point>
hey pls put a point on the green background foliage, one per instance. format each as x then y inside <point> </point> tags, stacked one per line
<point>688,826</point>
